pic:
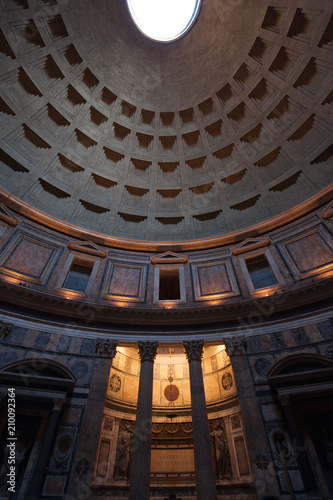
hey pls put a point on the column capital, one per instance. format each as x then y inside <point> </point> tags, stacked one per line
<point>194,350</point>
<point>106,348</point>
<point>5,329</point>
<point>235,345</point>
<point>58,404</point>
<point>148,351</point>
<point>284,400</point>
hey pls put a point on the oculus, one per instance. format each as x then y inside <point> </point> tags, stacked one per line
<point>164,20</point>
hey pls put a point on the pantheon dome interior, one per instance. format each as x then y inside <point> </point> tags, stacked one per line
<point>166,252</point>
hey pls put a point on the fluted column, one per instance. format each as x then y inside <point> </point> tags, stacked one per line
<point>140,475</point>
<point>86,449</point>
<point>203,456</point>
<point>44,453</point>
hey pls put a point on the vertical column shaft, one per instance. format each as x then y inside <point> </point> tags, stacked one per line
<point>203,456</point>
<point>86,448</point>
<point>140,474</point>
<point>258,445</point>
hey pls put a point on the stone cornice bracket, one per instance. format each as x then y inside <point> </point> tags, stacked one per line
<point>106,348</point>
<point>235,345</point>
<point>5,329</point>
<point>194,350</point>
<point>148,351</point>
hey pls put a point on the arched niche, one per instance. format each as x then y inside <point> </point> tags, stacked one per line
<point>38,374</point>
<point>301,374</point>
<point>303,384</point>
<point>34,392</point>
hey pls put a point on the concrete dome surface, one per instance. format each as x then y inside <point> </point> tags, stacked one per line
<point>223,129</point>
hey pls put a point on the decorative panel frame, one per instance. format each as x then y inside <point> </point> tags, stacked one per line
<point>173,302</point>
<point>111,269</point>
<point>16,275</point>
<point>268,290</point>
<point>73,258</point>
<point>198,293</point>
<point>292,263</point>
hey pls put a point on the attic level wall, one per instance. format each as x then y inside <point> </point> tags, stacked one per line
<point>37,259</point>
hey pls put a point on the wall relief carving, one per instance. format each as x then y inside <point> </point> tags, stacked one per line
<point>221,449</point>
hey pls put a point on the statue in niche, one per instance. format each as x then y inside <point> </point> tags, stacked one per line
<point>223,463</point>
<point>123,453</point>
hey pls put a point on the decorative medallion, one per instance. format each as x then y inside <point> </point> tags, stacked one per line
<point>262,366</point>
<point>115,383</point>
<point>63,449</point>
<point>82,467</point>
<point>171,392</point>
<point>227,381</point>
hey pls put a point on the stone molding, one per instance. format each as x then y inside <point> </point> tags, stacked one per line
<point>148,351</point>
<point>106,348</point>
<point>42,303</point>
<point>194,350</point>
<point>273,223</point>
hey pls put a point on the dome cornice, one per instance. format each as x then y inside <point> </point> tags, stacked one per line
<point>271,224</point>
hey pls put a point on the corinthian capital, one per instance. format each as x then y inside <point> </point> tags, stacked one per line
<point>58,404</point>
<point>194,350</point>
<point>5,330</point>
<point>106,348</point>
<point>235,345</point>
<point>284,400</point>
<point>147,351</point>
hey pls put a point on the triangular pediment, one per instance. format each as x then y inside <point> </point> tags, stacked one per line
<point>7,216</point>
<point>169,258</point>
<point>87,247</point>
<point>250,244</point>
<point>328,212</point>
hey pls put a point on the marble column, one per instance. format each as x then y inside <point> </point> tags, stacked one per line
<point>44,453</point>
<point>258,446</point>
<point>140,475</point>
<point>203,456</point>
<point>86,449</point>
<point>297,439</point>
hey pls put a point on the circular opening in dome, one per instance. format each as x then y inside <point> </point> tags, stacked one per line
<point>164,20</point>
